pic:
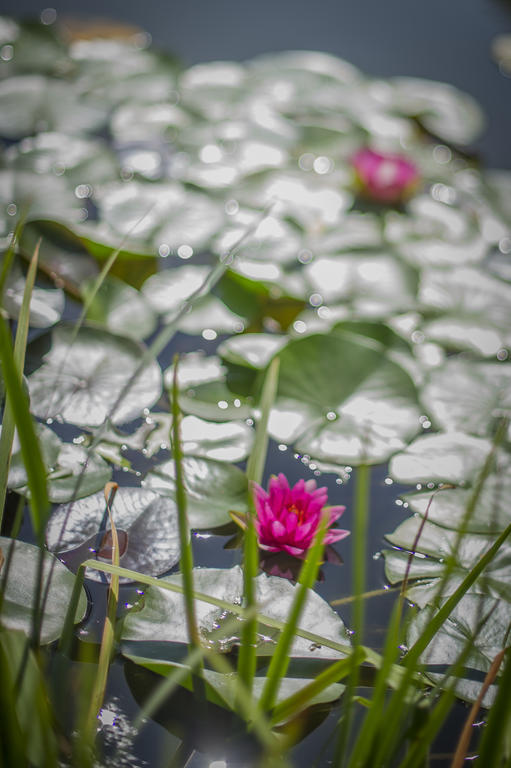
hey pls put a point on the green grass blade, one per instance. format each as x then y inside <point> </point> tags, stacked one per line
<point>298,701</point>
<point>108,637</point>
<point>186,562</point>
<point>255,469</point>
<point>9,257</point>
<point>361,515</point>
<point>280,659</point>
<point>30,449</point>
<point>20,345</point>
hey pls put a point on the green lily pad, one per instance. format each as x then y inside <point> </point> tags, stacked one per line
<point>454,457</point>
<point>212,489</point>
<point>80,381</point>
<point>467,396</point>
<point>148,520</point>
<point>252,349</point>
<point>161,213</point>
<point>21,588</point>
<point>120,308</point>
<point>32,103</point>
<point>377,283</point>
<point>35,196</point>
<point>82,162</point>
<point>447,507</point>
<point>71,472</point>
<point>354,404</point>
<point>46,303</point>
<point>434,233</point>
<point>473,308</point>
<point>151,634</point>
<point>444,110</point>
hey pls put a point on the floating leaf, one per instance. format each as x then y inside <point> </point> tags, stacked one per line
<point>120,309</point>
<point>253,349</point>
<point>434,233</point>
<point>80,382</point>
<point>475,309</point>
<point>46,303</point>
<point>468,396</point>
<point>21,588</point>
<point>448,506</point>
<point>212,488</point>
<point>454,458</point>
<point>148,522</point>
<point>354,404</point>
<point>31,103</point>
<point>162,617</point>
<point>81,161</point>
<point>163,214</point>
<point>444,110</point>
<point>36,197</point>
<point>72,472</point>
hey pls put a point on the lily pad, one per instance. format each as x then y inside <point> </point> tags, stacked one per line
<point>444,110</point>
<point>212,488</point>
<point>120,308</point>
<point>434,233</point>
<point>151,634</point>
<point>32,103</point>
<point>474,309</point>
<point>71,471</point>
<point>468,396</point>
<point>447,507</point>
<point>163,214</point>
<point>81,380</point>
<point>148,522</point>
<point>454,458</point>
<point>21,588</point>
<point>355,404</point>
<point>46,303</point>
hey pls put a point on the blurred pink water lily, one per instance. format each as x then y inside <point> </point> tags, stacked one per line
<point>384,178</point>
<point>288,518</point>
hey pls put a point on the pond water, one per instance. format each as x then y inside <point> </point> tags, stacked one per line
<point>287,207</point>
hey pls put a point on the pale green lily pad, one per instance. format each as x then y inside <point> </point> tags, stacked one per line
<point>167,290</point>
<point>148,519</point>
<point>209,314</point>
<point>147,123</point>
<point>35,196</point>
<point>32,103</point>
<point>21,588</point>
<point>213,488</point>
<point>151,634</point>
<point>454,457</point>
<point>46,303</point>
<point>479,620</point>
<point>467,396</point>
<point>364,281</point>
<point>81,381</point>
<point>444,110</point>
<point>313,203</point>
<point>253,349</point>
<point>226,441</point>
<point>211,88</point>
<point>434,233</point>
<point>271,240</point>
<point>120,308</point>
<point>475,309</point>
<point>161,213</point>
<point>71,472</point>
<point>82,162</point>
<point>447,506</point>
<point>355,405</point>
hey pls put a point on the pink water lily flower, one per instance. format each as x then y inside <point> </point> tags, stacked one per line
<point>384,178</point>
<point>287,518</point>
